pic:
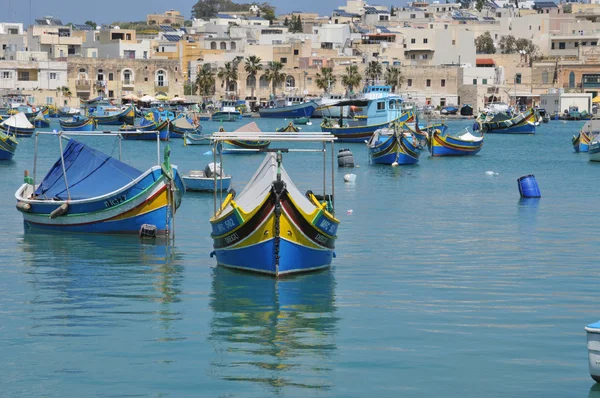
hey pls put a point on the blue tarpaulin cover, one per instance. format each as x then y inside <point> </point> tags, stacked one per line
<point>90,173</point>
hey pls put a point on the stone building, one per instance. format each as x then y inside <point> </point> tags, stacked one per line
<point>171,17</point>
<point>114,78</point>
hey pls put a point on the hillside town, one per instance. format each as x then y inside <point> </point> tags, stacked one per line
<point>434,54</point>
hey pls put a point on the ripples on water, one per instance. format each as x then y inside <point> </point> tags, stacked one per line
<point>445,283</point>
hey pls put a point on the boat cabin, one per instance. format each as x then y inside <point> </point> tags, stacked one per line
<point>374,92</point>
<point>228,106</point>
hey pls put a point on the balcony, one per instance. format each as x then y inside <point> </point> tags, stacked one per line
<point>161,86</point>
<point>83,85</point>
<point>128,82</point>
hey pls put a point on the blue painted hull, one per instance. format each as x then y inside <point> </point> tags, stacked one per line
<point>524,129</point>
<point>7,149</point>
<point>354,134</point>
<point>85,125</point>
<point>18,131</point>
<point>206,184</point>
<point>390,151</point>
<point>443,151</point>
<point>581,148</point>
<point>294,258</point>
<point>145,136</point>
<point>299,110</point>
<point>41,123</point>
<point>226,116</point>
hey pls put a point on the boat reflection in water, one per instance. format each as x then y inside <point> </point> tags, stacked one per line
<point>96,279</point>
<point>278,333</point>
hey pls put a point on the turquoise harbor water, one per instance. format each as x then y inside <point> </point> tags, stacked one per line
<point>445,283</point>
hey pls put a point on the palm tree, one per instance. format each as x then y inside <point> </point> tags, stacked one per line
<point>205,80</point>
<point>352,78</point>
<point>373,71</point>
<point>252,67</point>
<point>325,80</point>
<point>274,75</point>
<point>394,78</point>
<point>228,73</point>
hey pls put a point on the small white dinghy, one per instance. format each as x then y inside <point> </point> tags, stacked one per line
<point>593,345</point>
<point>204,180</point>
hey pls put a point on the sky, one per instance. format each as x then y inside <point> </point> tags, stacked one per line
<point>107,11</point>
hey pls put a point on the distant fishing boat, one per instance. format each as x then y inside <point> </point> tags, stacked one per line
<point>89,191</point>
<point>449,110</point>
<point>208,180</point>
<point>18,125</point>
<point>40,120</point>
<point>392,146</point>
<point>594,149</point>
<point>8,145</point>
<point>146,131</point>
<point>377,109</point>
<point>227,112</point>
<point>270,227</point>
<point>506,123</point>
<point>287,129</point>
<point>462,144</point>
<point>233,146</point>
<point>78,123</point>
<point>301,120</point>
<point>289,108</point>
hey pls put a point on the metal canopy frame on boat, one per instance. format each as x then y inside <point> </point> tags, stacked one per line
<point>324,138</point>
<point>65,135</point>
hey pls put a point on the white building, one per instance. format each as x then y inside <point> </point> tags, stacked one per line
<point>558,101</point>
<point>32,71</point>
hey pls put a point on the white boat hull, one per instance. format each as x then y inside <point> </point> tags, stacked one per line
<point>593,346</point>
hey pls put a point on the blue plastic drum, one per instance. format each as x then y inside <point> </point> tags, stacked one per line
<point>528,187</point>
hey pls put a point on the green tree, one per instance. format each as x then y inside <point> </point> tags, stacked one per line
<point>286,22</point>
<point>92,24</point>
<point>268,12</point>
<point>484,44</point>
<point>373,71</point>
<point>479,4</point>
<point>510,45</point>
<point>352,78</point>
<point>507,45</point>
<point>394,77</point>
<point>252,66</point>
<point>205,80</point>
<point>274,75</point>
<point>205,9</point>
<point>326,79</point>
<point>228,73</point>
<point>187,23</point>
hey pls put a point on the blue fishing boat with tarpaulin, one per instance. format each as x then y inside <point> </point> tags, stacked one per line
<point>89,191</point>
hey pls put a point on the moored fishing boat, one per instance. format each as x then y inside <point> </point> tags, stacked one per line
<point>89,191</point>
<point>270,227</point>
<point>182,126</point>
<point>444,144</point>
<point>392,146</point>
<point>290,128</point>
<point>204,180</point>
<point>18,125</point>
<point>594,149</point>
<point>593,347</point>
<point>78,123</point>
<point>8,146</point>
<point>196,139</point>
<point>377,109</point>
<point>289,108</point>
<point>301,120</point>
<point>40,120</point>
<point>506,123</point>
<point>113,116</point>
<point>247,146</point>
<point>227,112</point>
<point>581,142</point>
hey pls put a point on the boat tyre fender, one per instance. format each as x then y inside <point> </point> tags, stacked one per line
<point>232,193</point>
<point>59,211</point>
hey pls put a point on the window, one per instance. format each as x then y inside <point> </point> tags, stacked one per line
<point>584,43</point>
<point>381,105</point>
<point>145,79</point>
<point>263,82</point>
<point>82,70</point>
<point>442,101</point>
<point>430,26</point>
<point>24,76</point>
<point>161,78</point>
<point>111,94</point>
<point>251,81</point>
<point>233,45</point>
<point>127,76</point>
<point>290,82</point>
<point>5,75</point>
<point>545,77</point>
<point>594,43</point>
<point>413,16</point>
<point>223,46</point>
<point>483,81</point>
<point>561,45</point>
<point>428,82</point>
<point>213,45</point>
<point>553,46</point>
<point>453,42</point>
<point>425,56</point>
<point>296,52</point>
<point>424,41</point>
<point>49,100</point>
<point>572,80</point>
<point>576,44</point>
<point>413,41</point>
<point>443,83</point>
<point>53,75</point>
<point>111,76</point>
<point>475,82</point>
<point>518,78</point>
<point>529,27</point>
<point>409,82</point>
<point>130,54</point>
<point>413,56</point>
<point>283,60</point>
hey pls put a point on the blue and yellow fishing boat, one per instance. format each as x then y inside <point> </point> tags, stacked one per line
<point>443,144</point>
<point>377,109</point>
<point>581,142</point>
<point>40,120</point>
<point>100,194</point>
<point>182,126</point>
<point>290,128</point>
<point>506,123</point>
<point>146,130</point>
<point>8,146</point>
<point>113,116</point>
<point>18,125</point>
<point>237,146</point>
<point>78,123</point>
<point>272,228</point>
<point>393,146</point>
